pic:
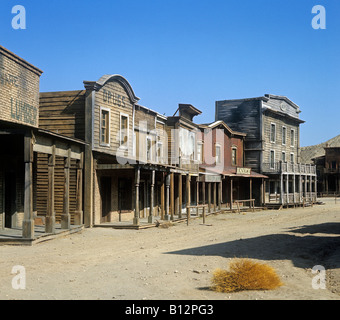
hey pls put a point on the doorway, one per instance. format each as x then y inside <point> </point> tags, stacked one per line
<point>10,199</point>
<point>105,191</point>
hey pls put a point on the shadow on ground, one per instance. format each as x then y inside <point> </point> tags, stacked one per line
<point>306,247</point>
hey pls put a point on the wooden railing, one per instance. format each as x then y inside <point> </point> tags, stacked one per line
<point>289,168</point>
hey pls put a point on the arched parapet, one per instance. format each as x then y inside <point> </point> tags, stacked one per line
<point>97,85</point>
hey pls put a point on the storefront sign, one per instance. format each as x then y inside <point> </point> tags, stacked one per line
<point>243,171</point>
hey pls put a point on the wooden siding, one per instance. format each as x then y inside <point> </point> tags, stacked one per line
<point>59,182</point>
<point>117,103</point>
<point>63,113</point>
<point>278,146</point>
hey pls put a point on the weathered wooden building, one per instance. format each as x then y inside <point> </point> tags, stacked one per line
<point>328,171</point>
<point>222,152</point>
<point>40,171</point>
<point>272,145</point>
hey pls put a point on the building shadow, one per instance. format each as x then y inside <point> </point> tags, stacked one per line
<point>305,251</point>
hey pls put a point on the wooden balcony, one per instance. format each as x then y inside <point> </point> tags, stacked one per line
<point>288,168</point>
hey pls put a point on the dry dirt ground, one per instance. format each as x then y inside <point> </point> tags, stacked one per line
<point>177,263</point>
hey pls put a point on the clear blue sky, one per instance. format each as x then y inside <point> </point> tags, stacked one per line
<point>185,51</point>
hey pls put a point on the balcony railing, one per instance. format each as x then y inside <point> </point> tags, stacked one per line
<point>288,167</point>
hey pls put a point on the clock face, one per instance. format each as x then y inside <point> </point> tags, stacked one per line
<point>283,107</point>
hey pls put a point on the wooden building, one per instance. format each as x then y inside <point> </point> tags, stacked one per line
<point>221,151</point>
<point>40,171</point>
<point>272,145</point>
<point>328,171</point>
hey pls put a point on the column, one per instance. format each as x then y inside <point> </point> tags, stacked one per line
<point>28,222</point>
<point>203,199</point>
<point>78,214</point>
<point>281,189</point>
<point>305,180</point>
<point>50,214</point>
<point>197,193</point>
<point>294,186</point>
<point>300,188</point>
<point>152,197</point>
<point>137,182</point>
<point>65,217</point>
<point>287,187</point>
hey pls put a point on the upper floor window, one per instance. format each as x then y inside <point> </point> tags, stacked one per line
<point>200,152</point>
<point>272,132</point>
<point>159,152</point>
<point>284,135</point>
<point>292,157</point>
<point>272,159</point>
<point>234,156</point>
<point>104,127</point>
<point>283,156</point>
<point>124,130</point>
<point>218,154</point>
<point>149,149</point>
<point>292,137</point>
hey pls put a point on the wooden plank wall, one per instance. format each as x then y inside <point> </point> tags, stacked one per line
<point>41,186</point>
<point>63,112</point>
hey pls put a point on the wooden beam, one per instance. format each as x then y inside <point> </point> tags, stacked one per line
<point>180,196</point>
<point>172,195</point>
<point>152,197</point>
<point>65,217</point>
<point>28,222</point>
<point>78,214</point>
<point>137,182</point>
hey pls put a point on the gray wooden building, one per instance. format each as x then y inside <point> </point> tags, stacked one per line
<point>272,145</point>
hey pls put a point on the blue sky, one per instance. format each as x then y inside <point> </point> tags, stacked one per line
<point>185,51</point>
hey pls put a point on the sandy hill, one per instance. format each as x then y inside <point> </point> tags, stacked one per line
<point>310,152</point>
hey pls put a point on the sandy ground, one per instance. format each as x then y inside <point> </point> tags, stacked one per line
<point>176,263</point>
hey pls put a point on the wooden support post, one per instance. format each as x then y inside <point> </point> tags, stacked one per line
<point>172,196</point>
<point>162,196</point>
<point>300,188</point>
<point>203,194</point>
<point>188,197</point>
<point>137,182</point>
<point>50,215</point>
<point>251,188</point>
<point>167,197</point>
<point>197,194</point>
<point>214,196</point>
<point>152,197</point>
<point>180,197</point>
<point>305,180</point>
<point>281,189</point>
<point>219,197</point>
<point>209,197</point>
<point>65,217</point>
<point>78,214</point>
<point>28,222</point>
<point>231,193</point>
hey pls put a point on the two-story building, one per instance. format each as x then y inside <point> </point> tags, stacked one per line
<point>222,152</point>
<point>272,145</point>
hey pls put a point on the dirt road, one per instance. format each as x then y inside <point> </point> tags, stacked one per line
<point>177,262</point>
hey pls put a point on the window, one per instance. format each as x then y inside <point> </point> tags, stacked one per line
<point>192,146</point>
<point>284,135</point>
<point>124,130</point>
<point>200,152</point>
<point>273,132</point>
<point>272,159</point>
<point>234,156</point>
<point>159,152</point>
<point>292,137</point>
<point>218,154</point>
<point>292,157</point>
<point>283,156</point>
<point>104,127</point>
<point>148,149</point>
